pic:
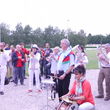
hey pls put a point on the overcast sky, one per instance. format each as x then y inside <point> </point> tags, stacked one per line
<point>91,15</point>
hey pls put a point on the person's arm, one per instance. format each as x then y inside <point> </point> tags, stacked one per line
<point>14,57</point>
<point>86,92</point>
<point>77,98</point>
<point>84,60</point>
<point>67,72</point>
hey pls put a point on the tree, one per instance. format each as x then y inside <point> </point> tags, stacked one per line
<point>96,39</point>
<point>18,34</point>
<point>4,33</point>
<point>27,35</point>
<point>76,39</point>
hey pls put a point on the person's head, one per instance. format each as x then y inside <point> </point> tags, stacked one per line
<point>34,48</point>
<point>81,48</point>
<point>1,45</point>
<point>56,50</point>
<point>7,46</point>
<point>65,43</point>
<point>18,47</point>
<point>79,72</point>
<point>107,47</point>
<point>22,45</point>
<point>12,47</point>
<point>47,45</point>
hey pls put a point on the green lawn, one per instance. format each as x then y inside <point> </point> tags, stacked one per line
<point>93,61</point>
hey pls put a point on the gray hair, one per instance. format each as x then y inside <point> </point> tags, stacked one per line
<point>66,41</point>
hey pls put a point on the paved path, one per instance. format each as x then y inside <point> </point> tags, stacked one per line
<point>17,98</point>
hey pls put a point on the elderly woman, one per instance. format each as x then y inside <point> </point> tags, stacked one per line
<point>34,68</point>
<point>65,64</point>
<point>81,91</point>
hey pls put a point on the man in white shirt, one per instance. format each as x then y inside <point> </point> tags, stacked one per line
<point>65,65</point>
<point>4,58</point>
<point>104,58</point>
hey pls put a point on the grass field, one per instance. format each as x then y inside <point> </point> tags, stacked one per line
<point>93,61</point>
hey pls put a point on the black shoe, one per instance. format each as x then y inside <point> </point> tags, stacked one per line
<point>1,93</point>
<point>22,84</point>
<point>106,98</point>
<point>15,85</point>
<point>99,96</point>
<point>11,80</point>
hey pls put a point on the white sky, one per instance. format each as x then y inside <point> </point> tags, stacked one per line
<point>91,15</point>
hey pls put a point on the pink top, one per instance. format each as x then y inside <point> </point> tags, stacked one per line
<point>87,92</point>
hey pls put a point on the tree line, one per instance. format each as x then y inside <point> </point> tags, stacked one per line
<point>53,35</point>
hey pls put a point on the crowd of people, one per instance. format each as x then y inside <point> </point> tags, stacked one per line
<point>59,62</point>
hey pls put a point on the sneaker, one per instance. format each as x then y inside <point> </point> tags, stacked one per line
<point>99,96</point>
<point>29,91</point>
<point>1,93</point>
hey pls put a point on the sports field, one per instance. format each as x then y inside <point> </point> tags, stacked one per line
<point>93,61</point>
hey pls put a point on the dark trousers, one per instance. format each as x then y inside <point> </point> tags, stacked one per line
<point>24,70</point>
<point>47,67</point>
<point>42,67</point>
<point>63,86</point>
<point>19,74</point>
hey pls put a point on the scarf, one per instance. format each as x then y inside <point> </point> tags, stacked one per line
<point>79,90</point>
<point>65,54</point>
<point>62,56</point>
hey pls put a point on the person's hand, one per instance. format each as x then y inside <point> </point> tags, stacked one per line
<point>66,95</point>
<point>19,57</point>
<point>62,76</point>
<point>81,61</point>
<point>72,98</point>
<point>23,60</point>
<point>32,54</point>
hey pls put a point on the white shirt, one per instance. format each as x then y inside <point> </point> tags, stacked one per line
<point>81,59</point>
<point>34,61</point>
<point>64,67</point>
<point>4,58</point>
<point>104,64</point>
<point>54,64</point>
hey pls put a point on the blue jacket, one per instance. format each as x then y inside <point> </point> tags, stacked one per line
<point>15,58</point>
